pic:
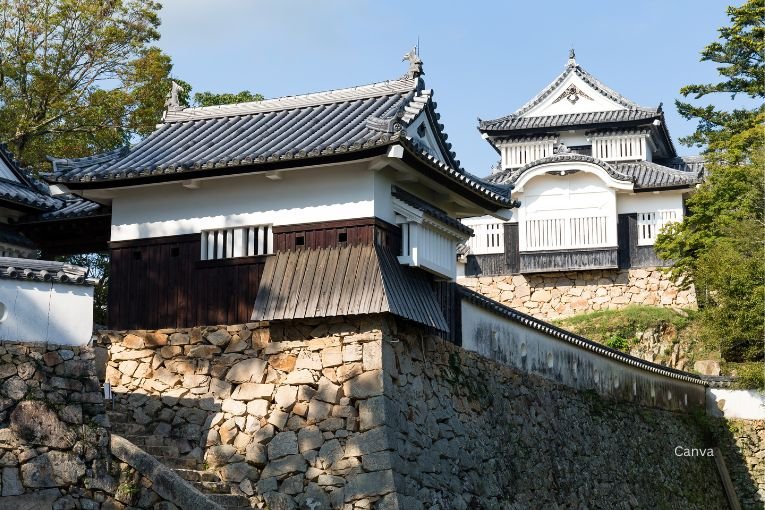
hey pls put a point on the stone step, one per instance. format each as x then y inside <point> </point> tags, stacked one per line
<point>118,416</point>
<point>128,429</point>
<point>230,501</point>
<point>213,487</point>
<point>162,451</point>
<point>193,475</point>
<point>180,462</point>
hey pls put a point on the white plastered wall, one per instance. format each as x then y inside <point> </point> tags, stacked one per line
<point>650,202</point>
<point>298,196</point>
<point>576,195</point>
<point>32,311</point>
<point>533,351</point>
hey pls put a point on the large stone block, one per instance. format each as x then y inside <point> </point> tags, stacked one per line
<point>251,391</point>
<point>283,444</point>
<point>309,438</point>
<point>288,465</point>
<point>368,384</point>
<point>37,424</point>
<point>250,370</point>
<point>366,485</point>
<point>11,483</point>
<point>52,469</point>
<point>375,440</point>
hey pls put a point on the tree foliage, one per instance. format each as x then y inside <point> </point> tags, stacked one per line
<point>720,245</point>
<point>98,267</point>
<point>79,77</point>
<point>214,99</point>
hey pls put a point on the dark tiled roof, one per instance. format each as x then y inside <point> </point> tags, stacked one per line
<point>71,206</point>
<point>507,122</point>
<point>431,210</point>
<point>293,127</point>
<point>648,175</point>
<point>25,195</point>
<point>513,122</point>
<point>511,175</point>
<point>285,130</point>
<point>351,280</point>
<point>499,193</point>
<point>44,270</point>
<point>644,174</point>
<point>694,164</point>
<point>579,341</point>
<point>9,235</point>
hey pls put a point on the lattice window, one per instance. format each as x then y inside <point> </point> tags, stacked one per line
<point>227,243</point>
<point>564,233</point>
<point>487,238</point>
<point>649,224</point>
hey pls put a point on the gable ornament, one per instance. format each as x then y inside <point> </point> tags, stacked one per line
<point>572,94</point>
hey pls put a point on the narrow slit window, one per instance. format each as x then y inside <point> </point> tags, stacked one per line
<point>236,242</point>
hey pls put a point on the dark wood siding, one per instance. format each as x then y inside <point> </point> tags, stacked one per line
<point>630,254</point>
<point>512,248</point>
<point>450,301</point>
<point>162,283</point>
<point>496,264</point>
<point>544,261</point>
<point>353,280</point>
<point>493,264</point>
<point>337,233</point>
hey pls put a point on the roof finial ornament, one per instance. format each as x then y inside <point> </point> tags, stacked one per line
<point>415,64</point>
<point>173,103</point>
<point>571,58</point>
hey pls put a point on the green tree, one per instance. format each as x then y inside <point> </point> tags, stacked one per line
<point>213,99</point>
<point>78,77</point>
<point>720,246</point>
<point>98,267</point>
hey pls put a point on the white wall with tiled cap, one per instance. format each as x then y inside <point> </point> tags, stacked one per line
<point>541,352</point>
<point>45,312</point>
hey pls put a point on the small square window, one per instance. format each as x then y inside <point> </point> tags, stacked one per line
<point>299,240</point>
<point>342,237</point>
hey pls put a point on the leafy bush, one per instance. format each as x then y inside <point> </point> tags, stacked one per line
<point>618,342</point>
<point>615,328</point>
<point>751,376</point>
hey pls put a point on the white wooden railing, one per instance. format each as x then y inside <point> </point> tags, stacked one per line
<point>565,233</point>
<point>487,238</point>
<point>619,148</point>
<point>649,224</point>
<point>517,154</point>
<point>226,243</point>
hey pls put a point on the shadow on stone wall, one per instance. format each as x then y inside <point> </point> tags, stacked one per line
<point>742,443</point>
<point>283,415</point>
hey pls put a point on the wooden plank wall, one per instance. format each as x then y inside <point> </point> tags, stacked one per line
<point>630,254</point>
<point>162,283</point>
<point>497,264</point>
<point>543,261</point>
<point>450,302</point>
<point>336,233</point>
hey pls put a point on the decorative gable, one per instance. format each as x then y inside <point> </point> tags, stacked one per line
<point>573,95</point>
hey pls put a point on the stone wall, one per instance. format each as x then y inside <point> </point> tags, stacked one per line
<point>743,445</point>
<point>54,442</point>
<point>287,415</point>
<point>472,433</point>
<point>557,295</point>
<point>374,413</point>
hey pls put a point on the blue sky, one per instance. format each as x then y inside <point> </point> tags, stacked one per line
<point>483,59</point>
